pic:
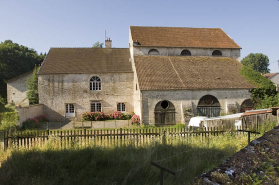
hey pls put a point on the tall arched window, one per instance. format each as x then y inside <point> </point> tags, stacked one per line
<point>95,83</point>
<point>216,53</point>
<point>185,53</point>
<point>153,52</point>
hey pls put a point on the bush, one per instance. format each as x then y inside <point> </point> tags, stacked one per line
<point>8,120</point>
<point>34,123</point>
<point>100,116</point>
<point>135,120</point>
<point>94,116</point>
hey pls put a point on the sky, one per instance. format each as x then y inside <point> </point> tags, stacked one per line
<point>42,24</point>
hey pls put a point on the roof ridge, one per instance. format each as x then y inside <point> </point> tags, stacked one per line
<point>84,48</point>
<point>174,27</point>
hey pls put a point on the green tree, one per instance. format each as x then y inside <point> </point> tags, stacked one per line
<point>15,60</point>
<point>265,94</point>
<point>98,45</point>
<point>258,61</point>
<point>32,84</point>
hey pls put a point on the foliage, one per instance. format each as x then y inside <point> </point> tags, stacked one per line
<point>98,45</point>
<point>265,94</point>
<point>8,120</point>
<point>118,162</point>
<point>33,123</point>
<point>32,85</point>
<point>135,120</point>
<point>100,116</point>
<point>2,101</point>
<point>16,60</point>
<point>258,62</point>
<point>93,116</point>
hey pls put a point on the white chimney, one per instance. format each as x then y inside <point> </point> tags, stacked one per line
<point>108,43</point>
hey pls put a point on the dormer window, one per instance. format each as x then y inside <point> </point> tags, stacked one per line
<point>95,83</point>
<point>153,52</point>
<point>185,53</point>
<point>217,53</point>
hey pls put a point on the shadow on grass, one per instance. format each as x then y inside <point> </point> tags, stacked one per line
<point>127,164</point>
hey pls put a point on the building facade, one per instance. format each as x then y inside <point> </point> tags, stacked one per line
<point>164,74</point>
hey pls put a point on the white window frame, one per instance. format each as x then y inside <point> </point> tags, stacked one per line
<point>95,84</point>
<point>94,105</point>
<point>121,107</point>
<point>69,110</point>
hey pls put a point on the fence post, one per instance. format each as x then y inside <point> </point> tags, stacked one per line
<point>164,138</point>
<point>5,138</point>
<point>47,134</point>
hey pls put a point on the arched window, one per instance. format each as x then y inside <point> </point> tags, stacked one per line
<point>153,52</point>
<point>246,105</point>
<point>95,83</point>
<point>185,53</point>
<point>216,53</point>
<point>121,107</point>
<point>209,106</point>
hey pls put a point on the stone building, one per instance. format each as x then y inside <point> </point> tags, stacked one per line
<point>17,89</point>
<point>274,77</point>
<point>166,73</point>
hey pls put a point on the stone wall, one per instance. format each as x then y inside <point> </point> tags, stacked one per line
<point>55,91</point>
<point>183,99</point>
<point>176,51</point>
<point>29,112</point>
<point>17,89</point>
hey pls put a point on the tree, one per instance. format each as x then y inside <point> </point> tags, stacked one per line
<point>32,85</point>
<point>98,45</point>
<point>15,60</point>
<point>265,94</point>
<point>258,62</point>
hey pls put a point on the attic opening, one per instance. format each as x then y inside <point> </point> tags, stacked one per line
<point>185,53</point>
<point>217,53</point>
<point>153,52</point>
<point>209,106</point>
<point>164,113</point>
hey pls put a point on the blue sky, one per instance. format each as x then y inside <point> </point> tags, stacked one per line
<point>38,24</point>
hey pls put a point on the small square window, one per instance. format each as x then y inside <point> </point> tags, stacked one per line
<point>121,107</point>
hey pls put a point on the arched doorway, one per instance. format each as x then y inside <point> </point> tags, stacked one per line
<point>246,105</point>
<point>164,113</point>
<point>209,106</point>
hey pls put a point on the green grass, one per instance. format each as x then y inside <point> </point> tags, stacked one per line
<point>118,163</point>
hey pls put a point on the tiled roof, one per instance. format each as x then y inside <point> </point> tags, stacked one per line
<point>269,75</point>
<point>182,37</point>
<point>86,60</point>
<point>177,72</point>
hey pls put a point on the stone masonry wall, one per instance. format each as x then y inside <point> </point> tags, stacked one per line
<point>55,91</point>
<point>16,91</point>
<point>183,99</point>
<point>171,51</point>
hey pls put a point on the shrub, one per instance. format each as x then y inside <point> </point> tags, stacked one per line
<point>100,116</point>
<point>135,120</point>
<point>8,120</point>
<point>32,123</point>
<point>94,116</point>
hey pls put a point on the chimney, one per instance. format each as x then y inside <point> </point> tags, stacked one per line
<point>108,43</point>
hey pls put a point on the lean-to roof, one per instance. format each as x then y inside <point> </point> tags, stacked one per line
<point>177,72</point>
